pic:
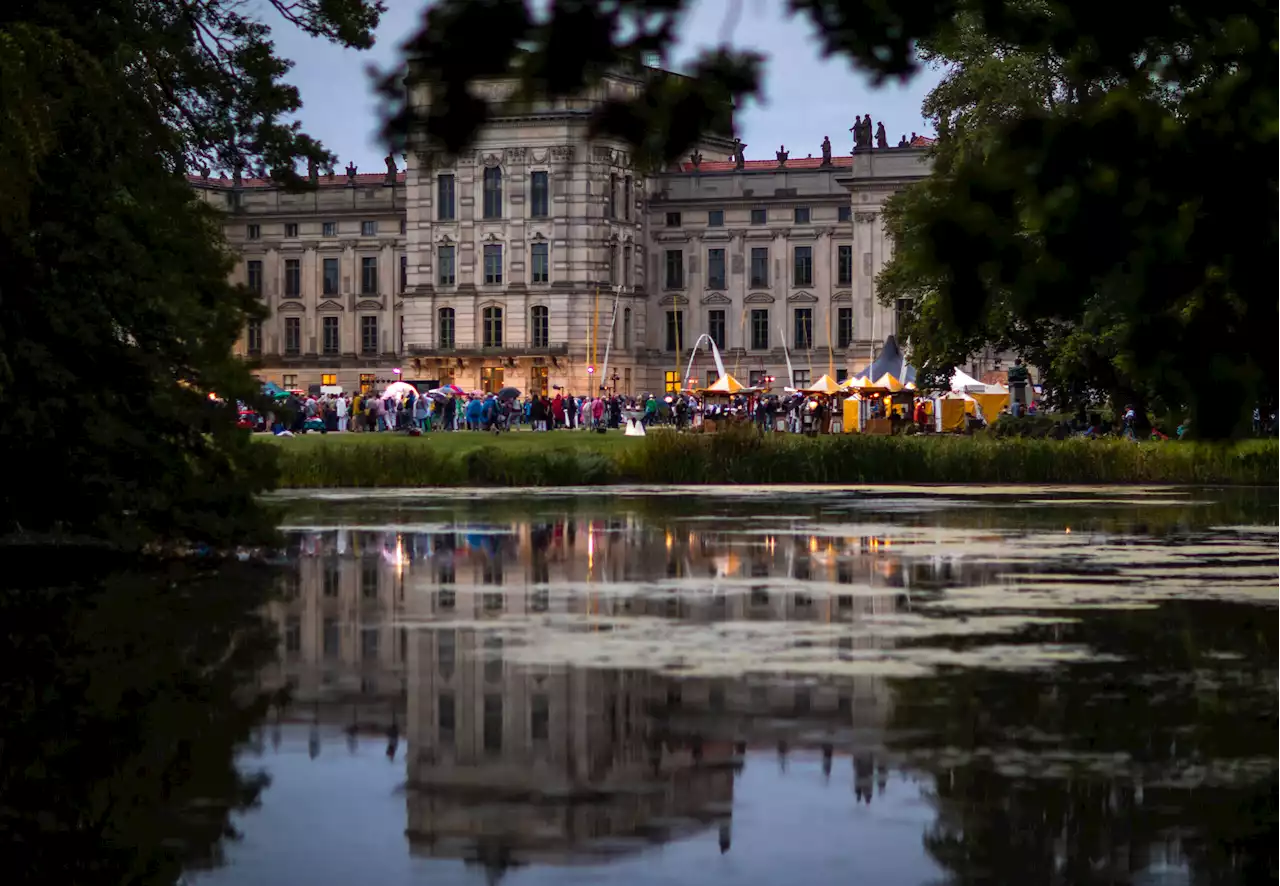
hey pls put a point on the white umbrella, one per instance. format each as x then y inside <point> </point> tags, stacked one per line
<point>399,389</point>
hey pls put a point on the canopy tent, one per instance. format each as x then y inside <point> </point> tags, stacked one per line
<point>963,383</point>
<point>889,383</point>
<point>824,385</point>
<point>725,385</point>
<point>863,385</point>
<point>892,362</point>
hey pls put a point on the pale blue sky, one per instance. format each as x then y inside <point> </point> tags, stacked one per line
<point>806,96</point>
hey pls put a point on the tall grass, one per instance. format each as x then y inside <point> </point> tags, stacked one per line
<point>747,458</point>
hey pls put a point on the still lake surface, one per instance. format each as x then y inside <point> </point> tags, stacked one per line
<point>702,686</point>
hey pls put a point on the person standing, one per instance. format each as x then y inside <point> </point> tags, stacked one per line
<point>340,408</point>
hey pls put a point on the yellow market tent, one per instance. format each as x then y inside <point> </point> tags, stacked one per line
<point>992,404</point>
<point>725,384</point>
<point>824,385</point>
<point>863,385</point>
<point>889,383</point>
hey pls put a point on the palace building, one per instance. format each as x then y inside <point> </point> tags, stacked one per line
<point>541,253</point>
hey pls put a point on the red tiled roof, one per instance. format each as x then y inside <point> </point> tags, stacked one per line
<point>919,141</point>
<point>339,180</point>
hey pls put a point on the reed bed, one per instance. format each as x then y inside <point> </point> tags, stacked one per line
<point>667,458</point>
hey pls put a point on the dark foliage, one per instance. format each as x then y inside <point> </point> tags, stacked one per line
<point>116,317</point>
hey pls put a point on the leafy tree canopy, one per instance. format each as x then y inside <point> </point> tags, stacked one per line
<point>116,317</point>
<point>1089,205</point>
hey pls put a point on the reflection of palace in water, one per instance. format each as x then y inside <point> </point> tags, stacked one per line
<point>510,763</point>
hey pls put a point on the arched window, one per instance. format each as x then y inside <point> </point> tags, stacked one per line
<point>539,326</point>
<point>445,328</point>
<point>491,325</point>
<point>626,327</point>
<point>492,192</point>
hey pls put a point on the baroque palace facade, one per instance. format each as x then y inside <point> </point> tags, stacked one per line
<point>529,258</point>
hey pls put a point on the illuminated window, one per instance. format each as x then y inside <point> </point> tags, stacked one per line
<point>328,378</point>
<point>672,381</point>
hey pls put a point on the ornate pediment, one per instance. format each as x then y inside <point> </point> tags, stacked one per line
<point>843,295</point>
<point>369,304</point>
<point>292,306</point>
<point>330,305</point>
<point>538,237</point>
<point>759,298</point>
<point>445,239</point>
<point>673,299</point>
<point>716,298</point>
<point>802,298</point>
<point>488,160</point>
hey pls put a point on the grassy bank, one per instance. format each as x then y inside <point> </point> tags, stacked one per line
<point>565,459</point>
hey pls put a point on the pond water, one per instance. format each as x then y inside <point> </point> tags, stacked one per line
<point>703,686</point>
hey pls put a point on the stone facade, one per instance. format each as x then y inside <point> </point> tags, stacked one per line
<point>526,259</point>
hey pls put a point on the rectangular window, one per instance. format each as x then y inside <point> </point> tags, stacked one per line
<point>800,378</point>
<point>255,276</point>
<point>803,266</point>
<point>626,381</point>
<point>329,229</point>
<point>759,216</point>
<point>760,329</point>
<point>493,723</point>
<point>844,213</point>
<point>715,269</point>
<point>289,382</point>
<point>844,327</point>
<point>673,219</point>
<point>446,718</point>
<point>331,637</point>
<point>539,717</point>
<point>368,229</point>
<point>844,265</point>
<point>628,201</point>
<point>803,337</point>
<point>331,581</point>
<point>445,328</point>
<point>672,381</point>
<point>675,331</point>
<point>540,326</point>
<point>493,263</point>
<point>539,195</point>
<point>715,327</point>
<point>292,336</point>
<point>291,230</point>
<point>491,323</point>
<point>626,266</point>
<point>292,278</point>
<point>842,376</point>
<point>538,381</point>
<point>368,335</point>
<point>254,338</point>
<point>756,378</point>
<point>367,381</point>
<point>492,192</point>
<point>802,215</point>
<point>675,269</point>
<point>404,226</point>
<point>328,378</point>
<point>445,266</point>
<point>330,276</point>
<point>613,195</point>
<point>444,198</point>
<point>715,218</point>
<point>491,381</point>
<point>369,275</point>
<point>331,341</point>
<point>759,266</point>
<point>404,273</point>
<point>255,232</point>
<point>369,644</point>
<point>539,263</point>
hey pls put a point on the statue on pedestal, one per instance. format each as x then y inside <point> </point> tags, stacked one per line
<point>390,160</point>
<point>826,151</point>
<point>739,154</point>
<point>882,140</point>
<point>782,155</point>
<point>351,174</point>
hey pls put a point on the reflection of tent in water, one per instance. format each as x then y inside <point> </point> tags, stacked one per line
<point>892,362</point>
